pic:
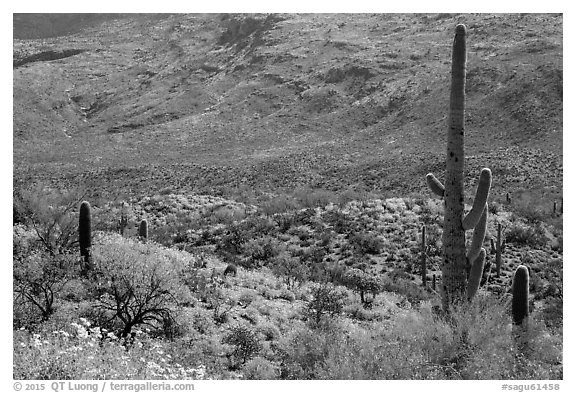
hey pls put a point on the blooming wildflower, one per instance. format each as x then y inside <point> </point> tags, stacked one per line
<point>85,321</point>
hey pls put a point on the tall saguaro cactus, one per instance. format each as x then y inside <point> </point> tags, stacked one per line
<point>85,234</point>
<point>461,271</point>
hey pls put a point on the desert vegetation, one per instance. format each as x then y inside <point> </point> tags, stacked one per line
<point>309,300</point>
<point>203,276</point>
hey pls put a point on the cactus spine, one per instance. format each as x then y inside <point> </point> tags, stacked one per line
<point>85,235</point>
<point>143,230</point>
<point>498,249</point>
<point>460,271</point>
<point>423,256</point>
<point>520,292</point>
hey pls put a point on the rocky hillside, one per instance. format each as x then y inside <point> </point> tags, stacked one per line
<point>212,102</point>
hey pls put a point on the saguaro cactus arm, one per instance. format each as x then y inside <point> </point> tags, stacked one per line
<point>435,185</point>
<point>478,235</point>
<point>476,274</point>
<point>482,192</point>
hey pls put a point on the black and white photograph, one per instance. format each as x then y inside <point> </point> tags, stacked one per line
<point>278,196</point>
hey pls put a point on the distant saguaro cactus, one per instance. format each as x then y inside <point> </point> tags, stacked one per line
<point>230,269</point>
<point>498,249</point>
<point>520,292</point>
<point>143,229</point>
<point>423,256</point>
<point>123,221</point>
<point>85,234</point>
<point>460,270</point>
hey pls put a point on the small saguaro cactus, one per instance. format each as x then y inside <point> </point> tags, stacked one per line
<point>123,221</point>
<point>461,270</point>
<point>143,230</point>
<point>423,256</point>
<point>520,292</point>
<point>230,269</point>
<point>85,234</point>
<point>498,248</point>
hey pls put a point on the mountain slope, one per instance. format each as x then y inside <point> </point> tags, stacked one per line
<point>278,101</point>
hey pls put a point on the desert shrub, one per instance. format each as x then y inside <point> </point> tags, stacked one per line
<point>327,302</point>
<point>363,283</point>
<point>269,331</point>
<point>278,205</point>
<point>310,198</point>
<point>259,226</point>
<point>39,277</point>
<point>246,297</point>
<point>366,243</point>
<point>304,350</point>
<point>494,207</point>
<point>287,294</point>
<point>250,314</point>
<point>260,368</point>
<point>140,284</point>
<point>531,214</point>
<point>284,222</point>
<point>245,344</point>
<point>201,320</point>
<point>340,222</point>
<point>217,299</point>
<point>52,214</point>
<point>474,343</point>
<point>233,240</point>
<point>400,283</point>
<point>432,212</point>
<point>260,251</point>
<point>302,232</point>
<point>289,269</point>
<point>360,313</point>
<point>530,235</point>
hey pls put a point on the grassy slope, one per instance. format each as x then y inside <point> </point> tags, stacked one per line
<point>333,101</point>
